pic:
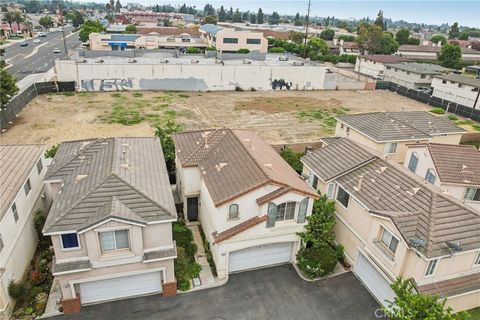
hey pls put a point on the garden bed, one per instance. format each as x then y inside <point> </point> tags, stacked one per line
<point>208,252</point>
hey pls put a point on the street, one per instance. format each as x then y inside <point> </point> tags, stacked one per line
<point>38,57</point>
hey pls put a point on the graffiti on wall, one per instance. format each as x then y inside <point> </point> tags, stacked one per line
<point>279,84</point>
<point>106,84</point>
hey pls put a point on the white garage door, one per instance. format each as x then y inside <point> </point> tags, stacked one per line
<point>260,256</point>
<point>121,287</point>
<point>373,280</point>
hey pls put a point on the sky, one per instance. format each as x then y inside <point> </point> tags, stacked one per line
<point>466,12</point>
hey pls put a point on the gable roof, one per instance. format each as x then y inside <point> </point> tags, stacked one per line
<point>122,178</point>
<point>418,209</point>
<point>247,224</point>
<point>16,163</point>
<point>233,162</point>
<point>459,164</point>
<point>399,126</point>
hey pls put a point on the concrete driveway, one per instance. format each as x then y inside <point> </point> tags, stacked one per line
<point>273,293</point>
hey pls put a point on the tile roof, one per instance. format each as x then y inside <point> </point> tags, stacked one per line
<point>336,158</point>
<point>400,126</point>
<point>460,79</point>
<point>419,68</point>
<point>81,265</point>
<point>458,164</point>
<point>222,236</point>
<point>160,254</point>
<point>273,195</point>
<point>418,209</point>
<point>125,178</point>
<point>16,163</point>
<point>452,287</point>
<point>234,162</point>
<point>385,58</point>
<point>414,48</point>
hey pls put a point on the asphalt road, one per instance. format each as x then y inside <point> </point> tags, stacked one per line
<point>275,293</point>
<point>25,61</point>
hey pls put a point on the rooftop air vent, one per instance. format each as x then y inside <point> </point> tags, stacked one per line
<point>454,247</point>
<point>298,63</point>
<point>100,61</point>
<point>194,61</point>
<point>131,60</point>
<point>417,242</point>
<point>247,61</point>
<point>283,58</point>
<point>163,61</point>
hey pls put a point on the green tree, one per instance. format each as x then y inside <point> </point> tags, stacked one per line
<point>9,17</point>
<point>88,27</point>
<point>237,16</point>
<point>296,37</point>
<point>46,22</point>
<point>463,35</point>
<point>118,6</point>
<point>210,19</point>
<point>253,18</point>
<point>411,305</point>
<point>327,34</point>
<point>439,38</point>
<point>370,39</point>
<point>414,41</point>
<point>346,38</point>
<point>131,28</point>
<point>208,10</point>
<point>402,36</point>
<point>8,88</point>
<point>245,16</point>
<point>388,45</point>
<point>165,135</point>
<point>454,31</point>
<point>297,20</point>
<point>77,19</point>
<point>450,56</point>
<point>230,14</point>
<point>379,20</point>
<point>222,14</point>
<point>290,156</point>
<point>317,46</point>
<point>260,16</point>
<point>183,9</point>
<point>274,18</point>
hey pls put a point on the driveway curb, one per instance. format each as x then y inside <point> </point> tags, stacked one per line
<point>295,266</point>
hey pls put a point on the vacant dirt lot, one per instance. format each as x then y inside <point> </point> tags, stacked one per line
<point>280,117</point>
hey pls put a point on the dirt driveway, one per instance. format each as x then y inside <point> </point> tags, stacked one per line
<point>279,117</point>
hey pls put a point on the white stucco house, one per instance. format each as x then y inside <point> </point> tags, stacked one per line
<point>22,168</point>
<point>457,88</point>
<point>374,65</point>
<point>250,202</point>
<point>453,168</point>
<point>413,75</point>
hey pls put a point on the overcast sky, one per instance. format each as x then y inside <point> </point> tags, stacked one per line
<point>429,11</point>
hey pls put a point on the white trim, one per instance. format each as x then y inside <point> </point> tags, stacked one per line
<point>163,221</point>
<point>112,219</point>
<point>70,249</point>
<point>463,294</point>
<point>425,275</point>
<point>70,272</point>
<point>158,249</point>
<point>56,233</point>
<point>336,195</point>
<point>161,259</point>
<point>113,230</point>
<point>373,263</point>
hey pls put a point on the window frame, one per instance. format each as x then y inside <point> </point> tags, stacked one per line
<point>78,247</point>
<point>338,189</point>
<point>228,42</point>
<point>476,262</point>
<point>28,186</point>
<point>388,144</point>
<point>285,204</point>
<point>432,266</point>
<point>429,174</point>
<point>230,217</point>
<point>39,166</point>
<point>330,190</point>
<point>466,193</point>
<point>385,231</point>
<point>114,241</point>
<point>14,211</point>
<point>256,41</point>
<point>412,156</point>
<point>2,244</point>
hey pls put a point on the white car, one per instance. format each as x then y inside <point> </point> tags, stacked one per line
<point>36,41</point>
<point>57,50</point>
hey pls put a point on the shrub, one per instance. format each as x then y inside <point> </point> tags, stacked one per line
<point>211,48</point>
<point>185,269</point>
<point>292,158</point>
<point>277,50</point>
<point>184,238</point>
<point>19,291</point>
<point>243,50</point>
<point>208,252</point>
<point>317,262</point>
<point>452,117</point>
<point>437,111</point>
<point>193,50</point>
<point>50,153</point>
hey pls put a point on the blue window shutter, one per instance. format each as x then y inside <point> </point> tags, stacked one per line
<point>302,211</point>
<point>272,212</point>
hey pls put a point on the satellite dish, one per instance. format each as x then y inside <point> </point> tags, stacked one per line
<point>454,247</point>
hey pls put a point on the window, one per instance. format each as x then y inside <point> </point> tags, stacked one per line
<point>230,40</point>
<point>342,125</point>
<point>27,187</point>
<point>343,197</point>
<point>70,241</point>
<point>114,240</point>
<point>330,190</point>
<point>313,180</point>
<point>423,76</point>
<point>430,176</point>
<point>15,212</point>
<point>431,267</point>
<point>285,211</point>
<point>1,243</point>
<point>390,147</point>
<point>389,240</point>
<point>477,259</point>
<point>412,165</point>
<point>472,194</point>
<point>233,211</point>
<point>39,166</point>
<point>254,41</point>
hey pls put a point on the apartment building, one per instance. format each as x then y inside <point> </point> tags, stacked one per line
<point>374,65</point>
<point>457,88</point>
<point>231,40</point>
<point>425,52</point>
<point>413,75</point>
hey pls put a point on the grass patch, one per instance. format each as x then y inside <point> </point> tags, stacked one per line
<point>183,95</point>
<point>452,117</point>
<point>474,314</point>
<point>476,127</point>
<point>117,95</point>
<point>437,111</point>
<point>326,116</point>
<point>138,94</point>
<point>122,115</point>
<point>68,93</point>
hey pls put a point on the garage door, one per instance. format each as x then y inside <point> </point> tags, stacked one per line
<point>121,287</point>
<point>373,280</point>
<point>260,256</point>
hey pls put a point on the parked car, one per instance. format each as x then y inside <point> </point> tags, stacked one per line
<point>425,90</point>
<point>36,41</point>
<point>24,44</point>
<point>42,34</point>
<point>57,50</point>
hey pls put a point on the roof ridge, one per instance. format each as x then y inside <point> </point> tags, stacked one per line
<point>407,124</point>
<point>201,145</point>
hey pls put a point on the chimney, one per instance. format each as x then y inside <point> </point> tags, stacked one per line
<point>308,149</point>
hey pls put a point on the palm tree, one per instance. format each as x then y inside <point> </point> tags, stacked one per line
<point>9,18</point>
<point>18,18</point>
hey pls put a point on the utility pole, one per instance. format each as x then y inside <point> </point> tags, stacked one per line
<point>306,30</point>
<point>62,21</point>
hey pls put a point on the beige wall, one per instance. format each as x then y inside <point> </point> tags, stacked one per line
<point>447,139</point>
<point>368,67</point>
<point>242,37</point>
<point>452,92</point>
<point>407,79</point>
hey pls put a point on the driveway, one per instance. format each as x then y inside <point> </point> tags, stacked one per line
<point>273,293</point>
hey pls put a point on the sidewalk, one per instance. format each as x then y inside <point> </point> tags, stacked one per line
<point>52,306</point>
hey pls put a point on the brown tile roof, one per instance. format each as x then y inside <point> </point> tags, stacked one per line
<point>385,58</point>
<point>274,34</point>
<point>235,162</point>
<point>456,163</point>
<point>169,31</point>
<point>273,195</point>
<point>452,287</point>
<point>418,209</point>
<point>16,163</point>
<point>414,48</point>
<point>219,237</point>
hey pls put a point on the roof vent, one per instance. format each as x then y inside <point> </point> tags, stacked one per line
<point>80,177</point>
<point>283,58</point>
<point>163,60</point>
<point>131,60</point>
<point>268,165</point>
<point>464,167</point>
<point>247,61</point>
<point>220,166</point>
<point>358,187</point>
<point>125,166</point>
<point>194,61</point>
<point>382,170</point>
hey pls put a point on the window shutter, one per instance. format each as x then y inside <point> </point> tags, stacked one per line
<point>272,212</point>
<point>302,211</point>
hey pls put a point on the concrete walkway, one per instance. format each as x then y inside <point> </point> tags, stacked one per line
<point>206,276</point>
<point>52,306</point>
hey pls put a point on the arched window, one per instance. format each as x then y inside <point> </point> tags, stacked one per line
<point>430,176</point>
<point>233,211</point>
<point>412,164</point>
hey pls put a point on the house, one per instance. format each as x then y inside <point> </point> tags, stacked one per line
<point>394,224</point>
<point>453,168</point>
<point>457,88</point>
<point>231,40</point>
<point>413,75</point>
<point>112,42</point>
<point>390,132</point>
<point>430,52</point>
<point>374,65</point>
<point>250,202</point>
<point>22,168</point>
<point>111,220</point>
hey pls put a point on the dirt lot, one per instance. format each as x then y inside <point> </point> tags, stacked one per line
<point>279,117</point>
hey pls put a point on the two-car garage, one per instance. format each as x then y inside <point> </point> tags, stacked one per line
<point>120,287</point>
<point>260,256</point>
